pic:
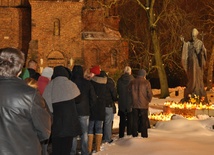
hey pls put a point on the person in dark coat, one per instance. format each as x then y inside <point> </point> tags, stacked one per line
<point>24,117</point>
<point>60,94</point>
<point>32,69</point>
<point>97,110</point>
<point>124,102</point>
<point>141,97</point>
<point>111,97</point>
<point>84,103</point>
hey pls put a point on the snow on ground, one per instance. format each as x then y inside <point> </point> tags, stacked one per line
<point>176,137</point>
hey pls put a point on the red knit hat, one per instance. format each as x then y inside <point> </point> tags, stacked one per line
<point>95,70</point>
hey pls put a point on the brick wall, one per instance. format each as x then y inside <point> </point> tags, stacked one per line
<point>66,39</point>
<point>13,3</point>
<point>103,49</point>
<point>68,42</point>
<point>51,32</point>
<point>15,28</point>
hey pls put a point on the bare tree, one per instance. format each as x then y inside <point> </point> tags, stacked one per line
<point>207,16</point>
<point>154,12</point>
<point>153,29</point>
<point>155,39</point>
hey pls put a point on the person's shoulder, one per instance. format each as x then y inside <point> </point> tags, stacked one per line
<point>148,82</point>
<point>119,79</point>
<point>110,80</point>
<point>25,73</point>
<point>24,88</point>
<point>38,73</point>
<point>131,77</point>
<point>85,81</point>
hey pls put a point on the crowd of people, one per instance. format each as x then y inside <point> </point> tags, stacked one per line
<point>61,104</point>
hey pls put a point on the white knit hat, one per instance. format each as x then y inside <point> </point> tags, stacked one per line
<point>47,72</point>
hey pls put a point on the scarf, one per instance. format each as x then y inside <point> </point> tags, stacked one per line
<point>60,89</point>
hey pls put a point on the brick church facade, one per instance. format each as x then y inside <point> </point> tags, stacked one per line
<point>55,31</point>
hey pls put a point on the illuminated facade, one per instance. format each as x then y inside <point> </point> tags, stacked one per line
<point>54,31</point>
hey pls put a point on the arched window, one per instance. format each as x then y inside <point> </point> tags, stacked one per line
<point>56,58</point>
<point>56,31</point>
<point>113,57</point>
<point>96,55</point>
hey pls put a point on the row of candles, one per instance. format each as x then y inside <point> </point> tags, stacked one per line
<point>176,105</point>
<point>166,117</point>
<point>187,105</point>
<point>160,117</point>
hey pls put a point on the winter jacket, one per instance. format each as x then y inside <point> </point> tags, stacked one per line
<point>42,83</point>
<point>141,93</point>
<point>98,109</point>
<point>60,96</point>
<point>24,118</point>
<point>124,100</point>
<point>25,74</point>
<point>88,96</point>
<point>111,93</point>
<point>65,119</point>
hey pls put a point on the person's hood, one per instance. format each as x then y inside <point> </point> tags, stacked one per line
<point>60,89</point>
<point>103,74</point>
<point>77,71</point>
<point>60,71</point>
<point>126,78</point>
<point>47,72</point>
<point>99,79</point>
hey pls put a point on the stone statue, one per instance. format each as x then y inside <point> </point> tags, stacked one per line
<point>194,58</point>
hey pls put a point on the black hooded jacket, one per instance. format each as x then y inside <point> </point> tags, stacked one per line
<point>124,100</point>
<point>98,109</point>
<point>111,92</point>
<point>87,97</point>
<point>60,94</point>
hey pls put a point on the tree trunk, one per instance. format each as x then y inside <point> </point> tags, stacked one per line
<point>156,45</point>
<point>160,66</point>
<point>210,70</point>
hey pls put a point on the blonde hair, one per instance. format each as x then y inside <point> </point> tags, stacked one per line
<point>128,70</point>
<point>31,82</point>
